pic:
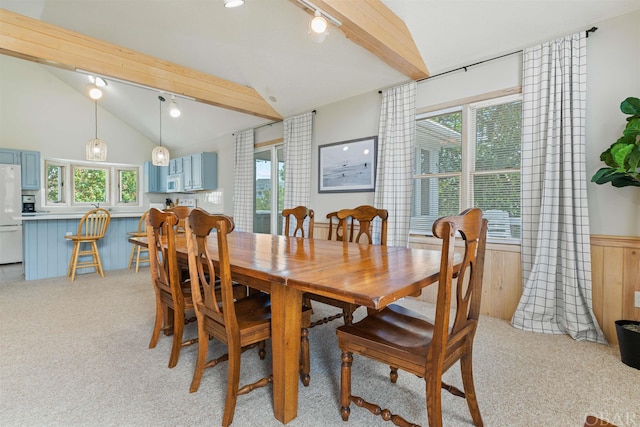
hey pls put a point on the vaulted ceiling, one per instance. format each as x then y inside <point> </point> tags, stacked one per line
<point>255,64</point>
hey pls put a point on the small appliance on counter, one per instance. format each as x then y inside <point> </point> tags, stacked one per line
<point>28,204</point>
<point>190,202</point>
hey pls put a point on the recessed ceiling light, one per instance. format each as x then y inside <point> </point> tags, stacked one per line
<point>233,3</point>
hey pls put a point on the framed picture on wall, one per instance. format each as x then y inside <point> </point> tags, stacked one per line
<point>348,166</point>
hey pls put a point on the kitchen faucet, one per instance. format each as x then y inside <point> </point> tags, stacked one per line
<point>96,205</point>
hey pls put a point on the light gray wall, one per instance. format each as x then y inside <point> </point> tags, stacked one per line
<point>38,112</point>
<point>613,68</point>
<point>614,74</point>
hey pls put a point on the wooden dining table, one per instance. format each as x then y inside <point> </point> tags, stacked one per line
<point>286,267</point>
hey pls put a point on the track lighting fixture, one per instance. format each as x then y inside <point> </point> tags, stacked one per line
<point>174,111</point>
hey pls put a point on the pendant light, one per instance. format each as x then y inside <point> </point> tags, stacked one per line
<point>96,148</point>
<point>160,155</point>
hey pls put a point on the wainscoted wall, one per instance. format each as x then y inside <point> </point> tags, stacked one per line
<point>615,265</point>
<point>615,268</point>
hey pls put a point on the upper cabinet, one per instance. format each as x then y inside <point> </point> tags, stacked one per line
<point>29,162</point>
<point>201,172</point>
<point>155,178</point>
<point>176,166</point>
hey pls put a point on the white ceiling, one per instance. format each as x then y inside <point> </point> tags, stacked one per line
<point>264,44</point>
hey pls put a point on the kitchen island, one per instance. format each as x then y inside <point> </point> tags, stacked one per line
<point>46,252</point>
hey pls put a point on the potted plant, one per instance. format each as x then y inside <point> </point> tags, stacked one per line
<point>623,157</point>
<point>628,332</point>
<point>623,169</point>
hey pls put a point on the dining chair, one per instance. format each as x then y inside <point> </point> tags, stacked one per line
<point>335,232</point>
<point>91,228</point>
<point>173,296</point>
<point>347,218</point>
<point>238,323</point>
<point>138,252</point>
<point>182,212</point>
<point>300,213</point>
<point>406,340</point>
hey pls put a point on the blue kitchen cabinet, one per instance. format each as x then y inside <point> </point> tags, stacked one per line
<point>155,178</point>
<point>29,162</point>
<point>204,171</point>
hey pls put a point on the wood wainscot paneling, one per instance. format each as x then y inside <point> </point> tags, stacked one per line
<point>615,272</point>
<point>502,280</point>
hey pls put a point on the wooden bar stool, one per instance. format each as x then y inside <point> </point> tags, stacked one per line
<point>91,228</point>
<point>137,251</point>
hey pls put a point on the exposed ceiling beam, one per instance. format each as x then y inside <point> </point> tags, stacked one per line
<point>375,27</point>
<point>28,38</point>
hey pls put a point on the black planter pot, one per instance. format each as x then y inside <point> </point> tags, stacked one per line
<point>629,342</point>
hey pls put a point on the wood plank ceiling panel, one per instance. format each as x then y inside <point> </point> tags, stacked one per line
<point>28,38</point>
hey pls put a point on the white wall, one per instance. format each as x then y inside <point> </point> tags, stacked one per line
<point>613,67</point>
<point>614,74</point>
<point>40,112</point>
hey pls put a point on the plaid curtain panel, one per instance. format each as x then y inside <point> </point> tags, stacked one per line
<point>297,160</point>
<point>556,258</point>
<point>394,171</point>
<point>243,200</point>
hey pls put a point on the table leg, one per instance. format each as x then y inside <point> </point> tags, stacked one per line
<point>286,305</point>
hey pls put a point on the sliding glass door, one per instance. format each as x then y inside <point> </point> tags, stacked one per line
<point>269,190</point>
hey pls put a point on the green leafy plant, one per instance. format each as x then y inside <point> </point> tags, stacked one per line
<point>623,157</point>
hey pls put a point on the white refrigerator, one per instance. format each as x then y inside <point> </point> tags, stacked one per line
<point>10,207</point>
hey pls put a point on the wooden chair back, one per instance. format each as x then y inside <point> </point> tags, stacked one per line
<point>300,213</point>
<point>142,225</point>
<point>182,212</point>
<point>447,342</point>
<point>364,215</point>
<point>94,224</point>
<point>335,229</point>
<point>163,260</point>
<point>218,306</point>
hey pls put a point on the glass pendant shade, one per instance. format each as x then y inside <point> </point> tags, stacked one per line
<point>96,150</point>
<point>160,156</point>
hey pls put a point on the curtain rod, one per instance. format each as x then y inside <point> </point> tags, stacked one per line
<point>272,123</point>
<point>590,30</point>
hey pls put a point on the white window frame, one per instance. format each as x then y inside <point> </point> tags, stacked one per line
<point>276,213</point>
<point>112,184</point>
<point>61,185</point>
<point>118,185</point>
<point>467,172</point>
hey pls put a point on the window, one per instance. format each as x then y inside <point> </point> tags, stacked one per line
<point>469,156</point>
<point>55,175</point>
<point>127,186</point>
<point>269,190</point>
<point>92,183</point>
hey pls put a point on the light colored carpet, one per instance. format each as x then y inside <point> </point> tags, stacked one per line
<point>75,354</point>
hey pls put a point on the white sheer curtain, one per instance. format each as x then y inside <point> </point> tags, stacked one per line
<point>556,258</point>
<point>244,181</point>
<point>394,171</point>
<point>297,160</point>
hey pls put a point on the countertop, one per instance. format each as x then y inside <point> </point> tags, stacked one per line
<point>43,216</point>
